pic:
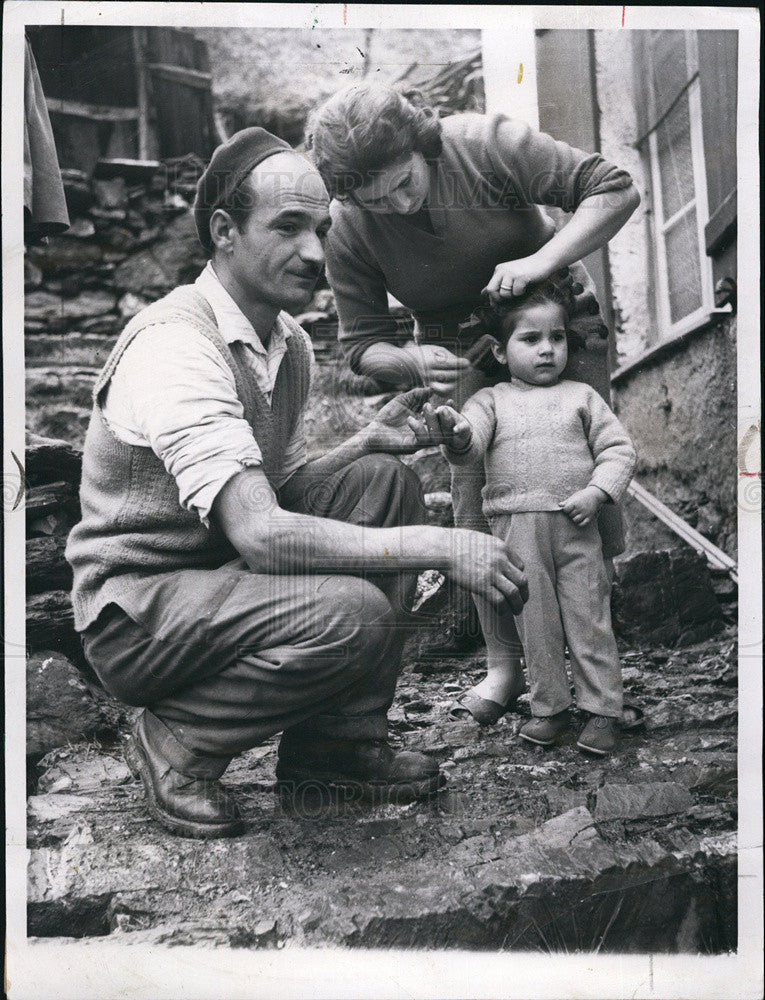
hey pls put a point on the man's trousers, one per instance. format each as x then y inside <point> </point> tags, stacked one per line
<point>225,658</point>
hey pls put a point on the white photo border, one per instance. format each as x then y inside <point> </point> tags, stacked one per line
<point>92,969</point>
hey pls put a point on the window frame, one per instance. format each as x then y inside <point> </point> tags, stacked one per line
<point>659,225</point>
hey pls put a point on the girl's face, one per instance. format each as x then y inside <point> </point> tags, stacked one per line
<point>536,351</point>
<point>401,187</point>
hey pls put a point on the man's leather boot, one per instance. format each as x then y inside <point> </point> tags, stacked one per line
<point>364,770</point>
<point>184,804</point>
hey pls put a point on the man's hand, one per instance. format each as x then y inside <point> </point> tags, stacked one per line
<point>487,567</point>
<point>438,368</point>
<point>399,428</point>
<point>584,505</point>
<point>512,278</point>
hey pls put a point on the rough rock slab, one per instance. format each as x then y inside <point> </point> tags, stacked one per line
<point>633,801</point>
<point>46,565</point>
<point>666,597</point>
<point>82,349</point>
<point>51,459</point>
<point>44,306</point>
<point>61,708</point>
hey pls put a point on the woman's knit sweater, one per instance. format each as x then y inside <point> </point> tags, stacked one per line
<point>485,189</point>
<point>540,444</point>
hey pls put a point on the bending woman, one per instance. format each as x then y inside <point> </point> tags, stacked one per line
<point>437,212</point>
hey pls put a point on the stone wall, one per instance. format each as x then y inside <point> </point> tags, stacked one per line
<point>132,240</point>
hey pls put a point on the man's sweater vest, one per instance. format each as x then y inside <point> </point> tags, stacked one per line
<point>133,524</point>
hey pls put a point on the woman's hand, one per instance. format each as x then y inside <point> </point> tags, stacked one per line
<point>438,368</point>
<point>511,278</point>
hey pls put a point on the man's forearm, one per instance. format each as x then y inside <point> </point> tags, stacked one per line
<point>319,468</point>
<point>299,543</point>
<point>389,365</point>
<point>273,540</point>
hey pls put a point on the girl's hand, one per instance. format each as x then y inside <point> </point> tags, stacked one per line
<point>438,368</point>
<point>445,426</point>
<point>512,278</point>
<point>584,505</point>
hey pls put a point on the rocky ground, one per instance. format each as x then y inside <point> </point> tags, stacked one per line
<point>524,849</point>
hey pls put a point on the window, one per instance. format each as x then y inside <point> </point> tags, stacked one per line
<point>673,144</point>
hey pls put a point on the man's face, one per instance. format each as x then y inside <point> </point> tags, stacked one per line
<point>278,254</point>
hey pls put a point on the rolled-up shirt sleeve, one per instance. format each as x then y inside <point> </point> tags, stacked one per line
<point>539,170</point>
<point>174,387</point>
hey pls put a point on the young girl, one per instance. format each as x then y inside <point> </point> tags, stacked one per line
<point>554,453</point>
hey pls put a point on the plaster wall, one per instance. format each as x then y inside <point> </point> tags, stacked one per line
<point>681,413</point>
<point>628,250</point>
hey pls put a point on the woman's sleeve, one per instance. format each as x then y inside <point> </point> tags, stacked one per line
<point>361,299</point>
<point>536,169</point>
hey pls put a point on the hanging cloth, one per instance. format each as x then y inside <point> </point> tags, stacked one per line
<point>45,212</point>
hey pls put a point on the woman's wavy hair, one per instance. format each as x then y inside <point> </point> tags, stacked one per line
<point>366,127</point>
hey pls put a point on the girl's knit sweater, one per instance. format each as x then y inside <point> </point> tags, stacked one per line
<point>540,444</point>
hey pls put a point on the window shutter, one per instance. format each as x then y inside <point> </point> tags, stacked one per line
<point>718,68</point>
<point>568,111</point>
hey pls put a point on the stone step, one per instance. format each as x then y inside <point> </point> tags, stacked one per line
<point>80,349</point>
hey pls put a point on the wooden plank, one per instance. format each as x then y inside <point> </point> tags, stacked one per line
<point>183,122</point>
<point>568,111</point>
<point>716,558</point>
<point>94,112</point>
<point>173,46</point>
<point>640,69</point>
<point>721,225</point>
<point>180,74</point>
<point>143,99</point>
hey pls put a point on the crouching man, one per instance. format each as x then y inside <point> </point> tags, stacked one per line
<point>221,581</point>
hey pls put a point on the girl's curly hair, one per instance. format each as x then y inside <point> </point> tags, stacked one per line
<point>366,127</point>
<point>490,318</point>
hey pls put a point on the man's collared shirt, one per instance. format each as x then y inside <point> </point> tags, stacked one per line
<point>176,395</point>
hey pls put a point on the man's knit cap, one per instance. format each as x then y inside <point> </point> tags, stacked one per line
<point>228,166</point>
